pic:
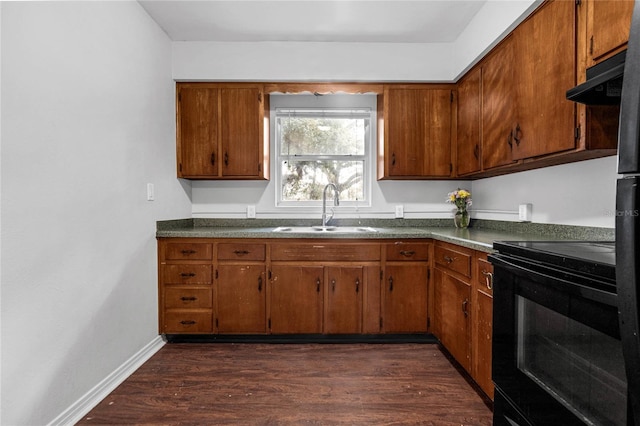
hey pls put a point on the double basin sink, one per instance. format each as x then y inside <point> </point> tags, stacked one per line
<point>325,229</point>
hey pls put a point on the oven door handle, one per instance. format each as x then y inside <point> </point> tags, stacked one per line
<point>593,294</point>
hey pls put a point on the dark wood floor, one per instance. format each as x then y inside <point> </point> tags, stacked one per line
<point>274,384</point>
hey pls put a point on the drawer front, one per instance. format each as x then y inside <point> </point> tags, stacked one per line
<point>408,251</point>
<point>453,260</point>
<point>484,275</point>
<point>196,321</point>
<point>241,251</point>
<point>186,274</point>
<point>325,252</point>
<point>187,298</point>
<point>188,251</point>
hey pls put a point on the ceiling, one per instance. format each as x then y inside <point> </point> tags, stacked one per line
<point>412,21</point>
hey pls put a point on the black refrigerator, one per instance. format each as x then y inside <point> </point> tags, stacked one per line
<point>618,81</point>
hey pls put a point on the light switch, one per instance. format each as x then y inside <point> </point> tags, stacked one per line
<point>150,192</point>
<point>399,211</point>
<point>251,212</point>
<point>524,212</point>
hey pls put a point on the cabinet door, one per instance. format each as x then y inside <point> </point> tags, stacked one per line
<point>197,137</point>
<point>483,325</point>
<point>418,132</point>
<point>296,299</point>
<point>343,302</point>
<point>468,140</point>
<point>241,113</point>
<point>241,301</point>
<point>452,307</point>
<point>608,27</point>
<point>546,67</point>
<point>498,105</point>
<point>405,298</point>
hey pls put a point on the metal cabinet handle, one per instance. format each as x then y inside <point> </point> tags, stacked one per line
<point>509,139</point>
<point>187,322</point>
<point>357,285</point>
<point>317,285</point>
<point>448,259</point>
<point>260,283</point>
<point>188,299</point>
<point>226,158</point>
<point>476,151</point>
<point>407,253</point>
<point>488,277</point>
<point>390,283</point>
<point>333,285</point>
<point>393,159</point>
<point>240,252</point>
<point>187,274</point>
<point>213,159</point>
<point>465,304</point>
<point>188,252</point>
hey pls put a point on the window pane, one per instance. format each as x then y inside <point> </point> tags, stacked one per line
<point>305,180</point>
<point>321,135</point>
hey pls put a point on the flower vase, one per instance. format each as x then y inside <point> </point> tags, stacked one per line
<point>461,218</point>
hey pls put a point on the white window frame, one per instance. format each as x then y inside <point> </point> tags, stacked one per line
<point>332,105</point>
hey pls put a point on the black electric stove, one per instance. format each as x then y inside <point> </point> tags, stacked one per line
<point>590,258</point>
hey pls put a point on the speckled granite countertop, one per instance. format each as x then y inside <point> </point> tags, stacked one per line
<point>480,236</point>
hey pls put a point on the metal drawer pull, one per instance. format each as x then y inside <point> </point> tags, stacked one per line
<point>357,285</point>
<point>464,307</point>
<point>448,259</point>
<point>333,285</point>
<point>407,253</point>
<point>188,299</point>
<point>187,274</point>
<point>187,322</point>
<point>260,283</point>
<point>241,252</point>
<point>390,283</point>
<point>318,285</point>
<point>188,252</point>
<point>488,277</point>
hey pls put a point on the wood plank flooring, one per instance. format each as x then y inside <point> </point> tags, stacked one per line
<point>292,384</point>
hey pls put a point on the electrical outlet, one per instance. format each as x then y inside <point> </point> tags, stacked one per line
<point>524,212</point>
<point>251,212</point>
<point>151,195</point>
<point>399,211</point>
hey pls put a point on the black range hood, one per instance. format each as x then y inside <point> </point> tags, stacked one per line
<point>603,85</point>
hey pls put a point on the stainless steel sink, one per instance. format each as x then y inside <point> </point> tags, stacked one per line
<point>325,229</point>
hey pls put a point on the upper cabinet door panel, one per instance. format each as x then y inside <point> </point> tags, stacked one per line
<point>197,131</point>
<point>468,140</point>
<point>241,114</point>
<point>498,105</point>
<point>546,68</point>
<point>609,26</point>
<point>405,125</point>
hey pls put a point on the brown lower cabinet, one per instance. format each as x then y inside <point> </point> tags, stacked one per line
<point>463,306</point>
<point>348,287</point>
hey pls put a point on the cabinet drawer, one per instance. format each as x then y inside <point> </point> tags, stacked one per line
<point>484,275</point>
<point>325,251</point>
<point>187,298</point>
<point>196,321</point>
<point>408,251</point>
<point>188,251</point>
<point>453,260</point>
<point>186,274</point>
<point>241,251</point>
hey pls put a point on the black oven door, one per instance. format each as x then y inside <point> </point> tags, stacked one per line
<point>557,355</point>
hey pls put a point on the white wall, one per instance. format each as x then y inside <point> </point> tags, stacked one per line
<point>300,61</point>
<point>572,194</point>
<point>87,120</point>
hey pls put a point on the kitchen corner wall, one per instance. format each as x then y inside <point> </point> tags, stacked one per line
<point>88,120</point>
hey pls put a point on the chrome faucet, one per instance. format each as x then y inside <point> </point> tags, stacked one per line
<point>336,202</point>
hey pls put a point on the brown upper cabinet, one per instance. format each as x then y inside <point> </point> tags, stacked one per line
<point>607,27</point>
<point>221,131</point>
<point>525,120</point>
<point>415,131</point>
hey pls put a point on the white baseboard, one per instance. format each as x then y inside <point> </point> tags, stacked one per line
<point>88,401</point>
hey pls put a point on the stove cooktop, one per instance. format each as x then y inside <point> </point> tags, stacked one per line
<point>589,257</point>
